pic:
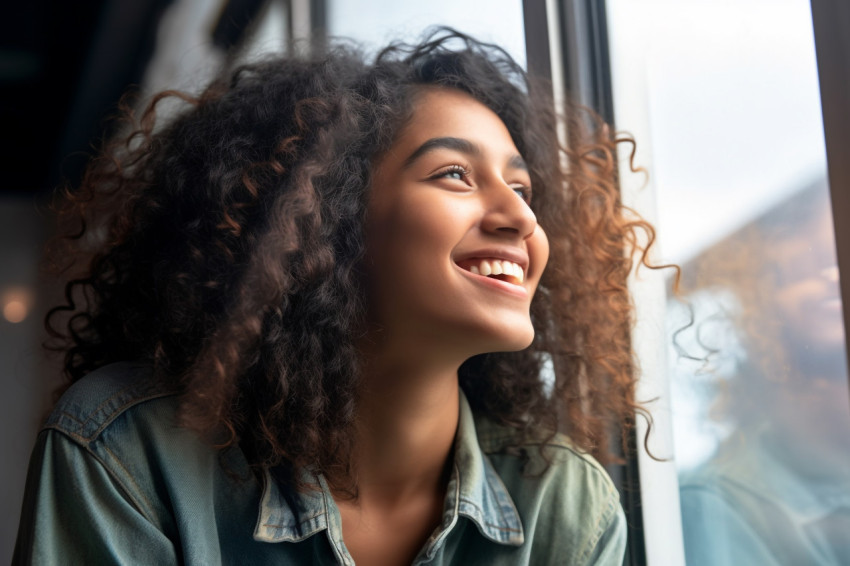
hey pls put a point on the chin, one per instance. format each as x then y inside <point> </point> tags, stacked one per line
<point>523,344</point>
<point>514,341</point>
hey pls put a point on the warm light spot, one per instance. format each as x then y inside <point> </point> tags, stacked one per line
<point>15,311</point>
<point>16,303</point>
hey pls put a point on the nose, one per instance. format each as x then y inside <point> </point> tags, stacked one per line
<point>507,213</point>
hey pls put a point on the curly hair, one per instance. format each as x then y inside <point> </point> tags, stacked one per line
<point>223,247</point>
<point>750,284</point>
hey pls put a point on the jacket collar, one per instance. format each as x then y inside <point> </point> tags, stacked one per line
<point>475,491</point>
<point>482,496</point>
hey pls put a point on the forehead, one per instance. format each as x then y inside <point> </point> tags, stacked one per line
<point>444,112</point>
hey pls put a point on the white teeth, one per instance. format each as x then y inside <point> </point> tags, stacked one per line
<point>498,267</point>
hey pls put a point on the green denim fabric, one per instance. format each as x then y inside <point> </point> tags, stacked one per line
<point>747,505</point>
<point>114,480</point>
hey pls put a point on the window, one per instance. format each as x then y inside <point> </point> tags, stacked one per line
<point>749,360</point>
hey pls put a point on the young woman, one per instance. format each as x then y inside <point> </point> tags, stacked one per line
<point>339,311</point>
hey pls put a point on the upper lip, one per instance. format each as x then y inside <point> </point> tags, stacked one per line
<point>515,255</point>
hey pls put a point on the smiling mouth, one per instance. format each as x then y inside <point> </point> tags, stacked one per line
<point>502,270</point>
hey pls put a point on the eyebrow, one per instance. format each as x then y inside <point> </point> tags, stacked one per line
<point>461,145</point>
<point>517,162</point>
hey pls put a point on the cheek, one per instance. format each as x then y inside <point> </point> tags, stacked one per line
<point>416,231</point>
<point>538,250</point>
<point>407,253</point>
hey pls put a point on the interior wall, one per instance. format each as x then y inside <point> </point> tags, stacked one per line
<point>28,377</point>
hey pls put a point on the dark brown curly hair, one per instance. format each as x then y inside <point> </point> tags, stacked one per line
<point>223,247</point>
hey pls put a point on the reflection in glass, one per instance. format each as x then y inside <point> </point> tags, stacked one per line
<point>723,99</point>
<point>761,358</point>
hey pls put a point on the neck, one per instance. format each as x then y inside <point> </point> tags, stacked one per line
<point>407,420</point>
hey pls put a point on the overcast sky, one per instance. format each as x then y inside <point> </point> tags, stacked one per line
<point>723,99</point>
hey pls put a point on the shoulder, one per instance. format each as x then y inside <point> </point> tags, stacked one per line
<point>566,499</point>
<point>726,520</point>
<point>127,420</point>
<point>114,478</point>
<point>117,430</point>
<point>713,490</point>
<point>94,403</point>
<point>541,454</point>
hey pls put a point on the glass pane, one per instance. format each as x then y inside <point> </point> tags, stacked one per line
<point>377,22</point>
<point>723,100</point>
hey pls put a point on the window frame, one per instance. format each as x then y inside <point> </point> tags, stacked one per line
<point>832,47</point>
<point>567,44</point>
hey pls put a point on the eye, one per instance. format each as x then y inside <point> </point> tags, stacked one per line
<point>455,172</point>
<point>523,191</point>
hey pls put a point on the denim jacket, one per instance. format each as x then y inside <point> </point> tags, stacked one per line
<point>114,480</point>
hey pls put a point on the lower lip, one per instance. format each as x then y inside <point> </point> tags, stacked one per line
<point>497,284</point>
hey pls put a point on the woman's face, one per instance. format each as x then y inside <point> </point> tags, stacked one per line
<point>448,206</point>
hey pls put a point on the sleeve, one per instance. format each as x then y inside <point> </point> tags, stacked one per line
<point>76,512</point>
<point>610,549</point>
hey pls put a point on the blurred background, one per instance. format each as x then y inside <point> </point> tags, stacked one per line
<point>745,365</point>
<point>64,66</point>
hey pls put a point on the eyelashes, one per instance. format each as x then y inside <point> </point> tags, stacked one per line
<point>523,191</point>
<point>452,172</point>
<point>460,173</point>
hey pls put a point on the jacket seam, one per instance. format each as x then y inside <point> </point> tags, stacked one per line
<point>130,498</point>
<point>602,523</point>
<point>108,419</point>
<point>147,515</point>
<point>124,407</point>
